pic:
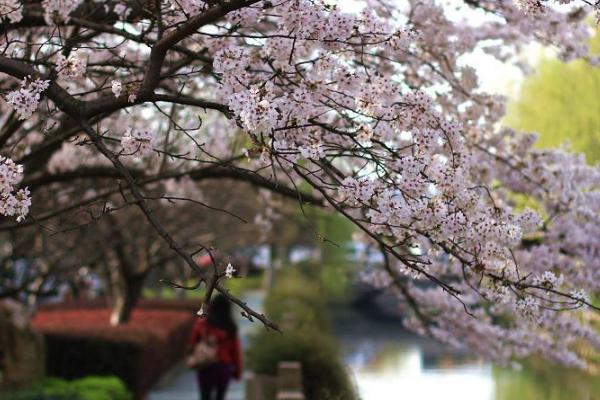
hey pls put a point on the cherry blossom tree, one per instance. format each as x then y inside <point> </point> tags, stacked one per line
<point>374,114</point>
<point>124,251</point>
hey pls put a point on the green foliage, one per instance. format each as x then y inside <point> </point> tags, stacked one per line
<point>335,232</point>
<point>539,380</point>
<point>101,388</point>
<point>561,103</point>
<point>296,301</point>
<point>324,376</point>
<point>294,294</point>
<point>47,389</point>
<point>237,287</point>
<point>88,388</point>
<point>335,280</point>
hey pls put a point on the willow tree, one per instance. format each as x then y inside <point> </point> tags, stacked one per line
<point>560,102</point>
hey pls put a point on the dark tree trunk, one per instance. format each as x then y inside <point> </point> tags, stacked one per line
<point>126,291</point>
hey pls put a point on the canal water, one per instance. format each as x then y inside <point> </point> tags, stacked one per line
<point>389,363</point>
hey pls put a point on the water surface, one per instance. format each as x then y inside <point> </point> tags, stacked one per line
<point>389,363</point>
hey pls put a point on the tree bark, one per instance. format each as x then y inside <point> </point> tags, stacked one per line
<point>126,291</point>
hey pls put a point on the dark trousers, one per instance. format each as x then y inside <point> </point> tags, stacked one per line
<point>209,392</point>
<point>213,381</point>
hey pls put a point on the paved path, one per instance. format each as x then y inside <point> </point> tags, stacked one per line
<point>180,383</point>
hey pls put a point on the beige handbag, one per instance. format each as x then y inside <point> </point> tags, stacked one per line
<point>205,353</point>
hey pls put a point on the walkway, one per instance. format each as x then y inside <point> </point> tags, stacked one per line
<point>180,383</point>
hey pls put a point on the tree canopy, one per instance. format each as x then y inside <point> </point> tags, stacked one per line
<point>369,112</point>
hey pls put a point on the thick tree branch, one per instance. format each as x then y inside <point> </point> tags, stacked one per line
<point>59,96</point>
<point>211,172</point>
<point>159,51</point>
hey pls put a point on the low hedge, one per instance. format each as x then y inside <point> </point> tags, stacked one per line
<point>88,388</point>
<point>80,342</point>
<point>72,357</point>
<point>188,304</point>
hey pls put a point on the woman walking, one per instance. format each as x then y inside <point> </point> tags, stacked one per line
<point>216,350</point>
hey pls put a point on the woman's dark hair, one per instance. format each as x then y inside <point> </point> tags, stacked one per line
<point>219,314</point>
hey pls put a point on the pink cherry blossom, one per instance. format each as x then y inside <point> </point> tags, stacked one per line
<point>138,142</point>
<point>25,100</point>
<point>370,113</point>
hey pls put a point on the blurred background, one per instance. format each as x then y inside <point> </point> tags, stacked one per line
<point>122,335</point>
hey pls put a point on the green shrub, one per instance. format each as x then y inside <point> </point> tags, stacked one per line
<point>47,389</point>
<point>238,286</point>
<point>324,375</point>
<point>101,388</point>
<point>306,338</point>
<point>294,294</point>
<point>88,388</point>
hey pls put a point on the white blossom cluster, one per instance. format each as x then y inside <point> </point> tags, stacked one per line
<point>26,99</point>
<point>529,308</point>
<point>71,67</point>
<point>531,7</point>
<point>11,9</point>
<point>138,142</point>
<point>229,271</point>
<point>189,7</point>
<point>415,158</point>
<point>116,87</point>
<point>548,279</point>
<point>56,11</point>
<point>12,202</point>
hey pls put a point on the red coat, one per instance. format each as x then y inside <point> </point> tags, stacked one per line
<point>228,345</point>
